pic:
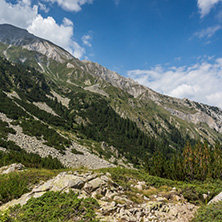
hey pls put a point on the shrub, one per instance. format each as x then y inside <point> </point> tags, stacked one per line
<point>74,151</point>
<point>212,212</point>
<point>56,206</point>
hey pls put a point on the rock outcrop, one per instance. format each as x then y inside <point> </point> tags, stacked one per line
<point>11,168</point>
<point>115,204</point>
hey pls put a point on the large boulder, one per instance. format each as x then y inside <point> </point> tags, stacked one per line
<point>94,184</point>
<point>61,182</point>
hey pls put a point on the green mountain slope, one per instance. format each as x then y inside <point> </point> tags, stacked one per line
<point>57,93</point>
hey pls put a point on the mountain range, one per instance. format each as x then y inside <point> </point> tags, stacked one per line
<point>67,101</point>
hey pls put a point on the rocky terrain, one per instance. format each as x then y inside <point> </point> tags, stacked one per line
<point>33,145</point>
<point>201,113</point>
<point>114,203</point>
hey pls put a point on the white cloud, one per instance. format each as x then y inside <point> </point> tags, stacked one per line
<point>86,40</point>
<point>23,15</point>
<point>43,7</point>
<point>208,32</point>
<point>215,98</point>
<point>206,5</point>
<point>71,5</point>
<point>20,14</point>
<point>61,35</point>
<point>67,22</point>
<point>78,50</point>
<point>200,82</point>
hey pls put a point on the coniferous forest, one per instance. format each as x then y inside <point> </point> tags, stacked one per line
<point>189,161</point>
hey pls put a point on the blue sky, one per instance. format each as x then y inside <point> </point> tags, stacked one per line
<point>171,46</point>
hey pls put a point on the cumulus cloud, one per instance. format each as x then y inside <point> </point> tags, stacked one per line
<point>20,14</point>
<point>23,15</point>
<point>200,82</point>
<point>208,32</point>
<point>86,40</point>
<point>47,28</point>
<point>206,5</point>
<point>61,35</point>
<point>71,5</point>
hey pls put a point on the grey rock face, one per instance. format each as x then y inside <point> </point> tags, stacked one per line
<point>127,84</point>
<point>11,168</point>
<point>216,198</point>
<point>12,35</point>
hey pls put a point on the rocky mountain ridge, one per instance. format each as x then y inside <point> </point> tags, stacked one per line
<point>155,114</point>
<point>212,116</point>
<point>32,43</point>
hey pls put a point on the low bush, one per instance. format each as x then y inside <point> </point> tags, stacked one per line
<point>55,206</point>
<point>212,212</point>
<point>74,151</point>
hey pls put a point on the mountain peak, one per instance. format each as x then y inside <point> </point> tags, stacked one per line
<point>22,36</point>
<point>12,35</point>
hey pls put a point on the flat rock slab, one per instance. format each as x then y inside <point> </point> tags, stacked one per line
<point>61,182</point>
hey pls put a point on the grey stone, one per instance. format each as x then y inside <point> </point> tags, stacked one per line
<point>216,198</point>
<point>11,168</point>
<point>93,185</point>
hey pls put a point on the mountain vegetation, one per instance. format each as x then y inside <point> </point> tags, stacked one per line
<point>57,207</point>
<point>198,162</point>
<point>47,94</point>
<point>102,122</point>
